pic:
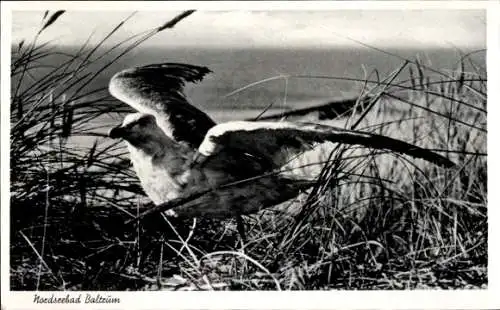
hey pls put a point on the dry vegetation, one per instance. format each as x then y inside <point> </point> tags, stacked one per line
<point>377,221</point>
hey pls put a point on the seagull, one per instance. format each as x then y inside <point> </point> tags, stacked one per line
<point>176,149</point>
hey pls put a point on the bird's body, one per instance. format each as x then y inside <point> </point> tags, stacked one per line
<point>166,171</point>
<point>157,173</point>
<point>177,149</point>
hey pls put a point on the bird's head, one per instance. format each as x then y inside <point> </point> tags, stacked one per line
<point>136,128</point>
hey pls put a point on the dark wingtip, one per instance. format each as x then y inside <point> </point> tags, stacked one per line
<point>435,158</point>
<point>188,72</point>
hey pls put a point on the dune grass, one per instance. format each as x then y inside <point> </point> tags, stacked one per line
<point>372,221</point>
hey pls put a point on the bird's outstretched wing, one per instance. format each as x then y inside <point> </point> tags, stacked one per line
<point>158,89</point>
<point>275,141</point>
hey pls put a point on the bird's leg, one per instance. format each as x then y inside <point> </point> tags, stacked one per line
<point>240,225</point>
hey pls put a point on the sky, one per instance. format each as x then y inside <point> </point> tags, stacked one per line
<point>285,29</point>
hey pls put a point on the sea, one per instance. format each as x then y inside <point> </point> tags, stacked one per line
<point>325,74</point>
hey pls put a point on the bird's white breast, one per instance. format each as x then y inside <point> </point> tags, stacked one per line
<point>156,180</point>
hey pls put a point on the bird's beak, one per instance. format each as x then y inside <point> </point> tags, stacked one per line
<point>116,132</point>
<point>198,159</point>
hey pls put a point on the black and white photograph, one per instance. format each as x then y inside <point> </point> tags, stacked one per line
<point>210,148</point>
